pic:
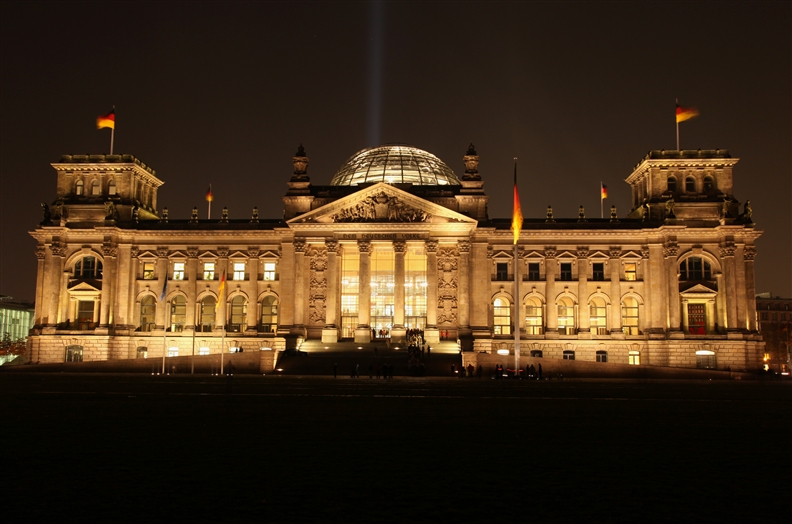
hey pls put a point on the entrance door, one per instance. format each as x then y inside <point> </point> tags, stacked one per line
<point>697,319</point>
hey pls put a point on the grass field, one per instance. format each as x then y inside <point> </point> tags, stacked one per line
<point>314,449</point>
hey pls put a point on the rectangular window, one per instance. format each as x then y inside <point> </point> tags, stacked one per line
<point>178,271</point>
<point>203,351</point>
<point>569,355</point>
<point>630,271</point>
<point>566,270</point>
<point>269,270</point>
<point>502,271</point>
<point>599,271</point>
<point>239,271</point>
<point>148,271</point>
<point>533,271</point>
<point>634,358</point>
<point>85,311</point>
<point>602,356</point>
<point>209,271</point>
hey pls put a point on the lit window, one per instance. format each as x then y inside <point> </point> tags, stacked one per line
<point>566,271</point>
<point>148,309</point>
<point>173,351</point>
<point>239,271</point>
<point>178,271</point>
<point>111,188</point>
<point>533,271</point>
<point>209,271</point>
<point>238,314</point>
<point>178,313</point>
<point>96,190</point>
<point>88,267</point>
<point>269,314</point>
<point>599,271</point>
<point>630,316</point>
<point>74,353</point>
<point>566,316</point>
<point>630,271</point>
<point>79,188</point>
<point>569,354</point>
<point>533,317</point>
<point>502,316</point>
<point>597,316</point>
<point>148,271</point>
<point>690,184</point>
<point>706,359</point>
<point>634,358</point>
<point>203,351</point>
<point>142,352</point>
<point>207,314</point>
<point>602,356</point>
<point>269,270</point>
<point>502,271</point>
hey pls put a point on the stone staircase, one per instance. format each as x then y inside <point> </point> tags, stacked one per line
<point>318,358</point>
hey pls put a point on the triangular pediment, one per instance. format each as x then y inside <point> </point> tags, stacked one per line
<point>382,203</point>
<point>698,291</point>
<point>177,255</point>
<point>533,254</point>
<point>500,255</point>
<point>147,255</point>
<point>84,287</point>
<point>567,255</point>
<point>599,255</point>
<point>631,255</point>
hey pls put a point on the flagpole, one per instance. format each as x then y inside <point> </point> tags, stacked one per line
<point>516,277</point>
<point>164,336</point>
<point>602,200</point>
<point>677,124</point>
<point>112,136</point>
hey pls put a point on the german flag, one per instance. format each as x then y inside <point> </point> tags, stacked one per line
<point>685,113</point>
<point>604,192</point>
<point>209,196</point>
<point>107,120</point>
<point>517,216</point>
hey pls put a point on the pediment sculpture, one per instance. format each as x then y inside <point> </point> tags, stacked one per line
<point>381,208</point>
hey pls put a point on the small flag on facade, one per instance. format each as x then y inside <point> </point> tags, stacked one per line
<point>220,290</point>
<point>685,113</point>
<point>209,196</point>
<point>517,216</point>
<point>164,289</point>
<point>107,120</point>
<point>604,191</point>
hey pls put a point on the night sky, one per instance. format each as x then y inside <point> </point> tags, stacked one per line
<point>224,93</point>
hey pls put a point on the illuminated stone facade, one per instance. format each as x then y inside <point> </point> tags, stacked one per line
<point>670,284</point>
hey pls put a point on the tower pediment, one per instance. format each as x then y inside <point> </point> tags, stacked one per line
<point>382,203</point>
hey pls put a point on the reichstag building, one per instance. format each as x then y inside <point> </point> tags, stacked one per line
<point>399,242</point>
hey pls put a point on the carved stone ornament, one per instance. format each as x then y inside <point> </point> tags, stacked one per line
<point>332,246</point>
<point>727,250</point>
<point>431,246</point>
<point>582,252</point>
<point>300,161</point>
<point>550,252</point>
<point>194,215</point>
<point>613,217</point>
<point>41,252</point>
<point>253,251</point>
<point>615,252</point>
<point>549,214</point>
<point>299,245</point>
<point>463,246</point>
<point>671,249</point>
<point>318,260</point>
<point>381,208</point>
<point>57,249</point>
<point>134,251</point>
<point>399,246</point>
<point>749,253</point>
<point>364,246</point>
<point>109,249</point>
<point>192,252</point>
<point>471,161</point>
<point>222,252</point>
<point>162,251</point>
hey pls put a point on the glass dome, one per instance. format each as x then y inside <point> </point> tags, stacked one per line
<point>394,164</point>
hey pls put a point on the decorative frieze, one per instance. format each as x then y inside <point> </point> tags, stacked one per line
<point>381,207</point>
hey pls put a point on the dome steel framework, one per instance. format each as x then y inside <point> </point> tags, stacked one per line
<point>394,164</point>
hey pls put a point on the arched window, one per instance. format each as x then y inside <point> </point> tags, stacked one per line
<point>148,310</point>
<point>709,184</point>
<point>88,267</point>
<point>597,316</point>
<point>111,188</point>
<point>269,314</point>
<point>533,316</point>
<point>690,184</point>
<point>630,316</point>
<point>96,190</point>
<point>178,313</point>
<point>207,314</point>
<point>672,185</point>
<point>79,188</point>
<point>694,268</point>
<point>501,316</point>
<point>238,314</point>
<point>566,316</point>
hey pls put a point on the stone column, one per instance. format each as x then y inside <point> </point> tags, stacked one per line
<point>615,324</point>
<point>222,269</point>
<point>749,255</point>
<point>551,266</point>
<point>253,267</point>
<point>399,248</point>
<point>584,320</point>
<point>65,312</point>
<point>330,331</point>
<point>685,320</point>
<point>670,251</point>
<point>41,260</point>
<point>463,297</point>
<point>108,284</point>
<point>431,333</point>
<point>191,268</point>
<point>727,256</point>
<point>363,330</point>
<point>162,276</point>
<point>53,287</point>
<point>122,319</point>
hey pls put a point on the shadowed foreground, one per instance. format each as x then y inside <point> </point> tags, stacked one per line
<point>299,449</point>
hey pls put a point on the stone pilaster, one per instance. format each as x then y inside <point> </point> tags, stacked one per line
<point>300,290</point>
<point>431,333</point>
<point>55,270</point>
<point>363,330</point>
<point>253,268</point>
<point>670,252</point>
<point>330,331</point>
<point>162,277</point>
<point>191,270</point>
<point>110,252</point>
<point>749,255</point>
<point>222,295</point>
<point>615,320</point>
<point>399,248</point>
<point>727,256</point>
<point>584,321</point>
<point>551,267</point>
<point>463,307</point>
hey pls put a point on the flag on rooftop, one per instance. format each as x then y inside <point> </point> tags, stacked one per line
<point>603,191</point>
<point>517,216</point>
<point>209,196</point>
<point>685,113</point>
<point>107,120</point>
